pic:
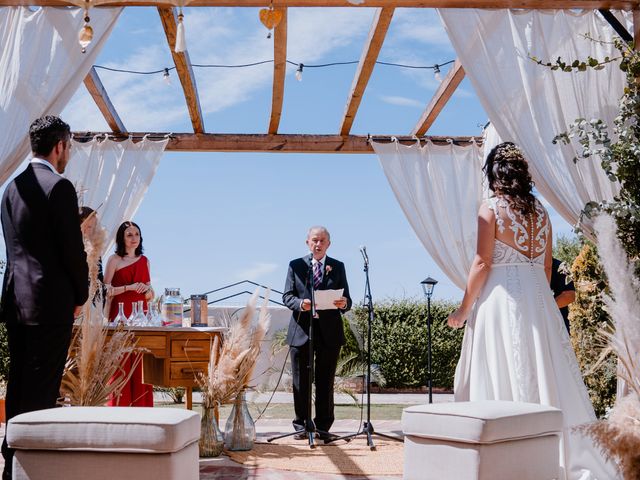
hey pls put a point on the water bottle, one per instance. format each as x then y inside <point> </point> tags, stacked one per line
<point>172,307</point>
<point>120,318</point>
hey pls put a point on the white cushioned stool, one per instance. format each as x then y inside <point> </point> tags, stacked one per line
<point>105,443</point>
<point>490,440</point>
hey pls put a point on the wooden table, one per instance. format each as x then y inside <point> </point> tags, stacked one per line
<point>175,355</point>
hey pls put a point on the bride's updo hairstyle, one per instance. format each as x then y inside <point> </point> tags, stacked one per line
<point>508,176</point>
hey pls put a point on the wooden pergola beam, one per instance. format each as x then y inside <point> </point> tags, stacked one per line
<point>279,71</point>
<point>99,94</point>
<point>379,28</point>
<point>281,143</point>
<point>440,98</point>
<point>183,68</point>
<point>529,4</point>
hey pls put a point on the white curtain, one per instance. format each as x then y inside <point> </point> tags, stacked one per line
<point>439,188</point>
<point>41,67</point>
<point>112,177</point>
<point>529,104</point>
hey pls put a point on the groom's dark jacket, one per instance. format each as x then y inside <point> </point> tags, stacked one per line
<point>328,330</point>
<point>46,273</point>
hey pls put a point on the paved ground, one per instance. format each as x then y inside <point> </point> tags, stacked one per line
<point>223,468</point>
<point>376,398</point>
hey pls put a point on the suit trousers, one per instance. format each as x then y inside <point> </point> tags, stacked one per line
<point>37,355</point>
<point>326,360</point>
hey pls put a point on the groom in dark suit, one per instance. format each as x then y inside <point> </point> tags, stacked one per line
<point>45,282</point>
<point>319,272</point>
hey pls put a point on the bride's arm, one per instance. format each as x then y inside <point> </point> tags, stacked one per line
<point>479,268</point>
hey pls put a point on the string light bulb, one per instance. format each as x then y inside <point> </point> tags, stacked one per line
<point>166,77</point>
<point>299,72</point>
<point>436,73</point>
<point>356,2</point>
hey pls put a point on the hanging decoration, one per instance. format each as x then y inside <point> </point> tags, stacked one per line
<point>270,18</point>
<point>181,43</point>
<point>85,35</point>
<point>436,73</point>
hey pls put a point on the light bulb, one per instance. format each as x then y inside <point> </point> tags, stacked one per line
<point>436,73</point>
<point>166,77</point>
<point>299,72</point>
<point>356,2</point>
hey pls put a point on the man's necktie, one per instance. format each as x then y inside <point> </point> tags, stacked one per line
<point>317,275</point>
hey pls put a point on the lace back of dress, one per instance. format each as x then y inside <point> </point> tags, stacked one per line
<point>520,238</point>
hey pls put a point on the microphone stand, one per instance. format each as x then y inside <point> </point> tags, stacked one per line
<point>367,426</point>
<point>309,426</point>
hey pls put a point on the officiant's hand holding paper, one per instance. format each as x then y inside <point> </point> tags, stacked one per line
<point>328,299</point>
<point>341,302</point>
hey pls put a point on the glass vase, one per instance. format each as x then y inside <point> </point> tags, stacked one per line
<point>131,321</point>
<point>120,319</point>
<point>240,430</point>
<point>211,442</point>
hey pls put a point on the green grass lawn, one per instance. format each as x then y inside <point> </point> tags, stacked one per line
<point>285,411</point>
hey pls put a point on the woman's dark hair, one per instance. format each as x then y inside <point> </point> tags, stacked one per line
<point>120,249</point>
<point>45,132</point>
<point>508,175</point>
<point>85,212</point>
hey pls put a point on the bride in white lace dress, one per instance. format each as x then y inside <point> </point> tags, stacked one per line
<point>516,346</point>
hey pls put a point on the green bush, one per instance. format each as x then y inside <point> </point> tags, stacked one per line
<point>587,315</point>
<point>399,342</point>
<point>566,249</point>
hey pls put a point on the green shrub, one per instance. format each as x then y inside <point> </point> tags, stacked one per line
<point>587,315</point>
<point>566,249</point>
<point>399,342</point>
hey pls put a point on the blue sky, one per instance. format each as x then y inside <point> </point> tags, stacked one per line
<point>211,219</point>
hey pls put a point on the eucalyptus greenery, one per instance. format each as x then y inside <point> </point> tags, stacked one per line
<point>619,154</point>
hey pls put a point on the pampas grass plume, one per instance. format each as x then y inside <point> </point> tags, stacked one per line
<point>231,367</point>
<point>619,434</point>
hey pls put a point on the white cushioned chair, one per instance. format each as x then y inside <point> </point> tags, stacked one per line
<point>491,440</point>
<point>105,443</point>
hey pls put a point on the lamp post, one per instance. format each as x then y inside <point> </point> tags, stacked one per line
<point>428,285</point>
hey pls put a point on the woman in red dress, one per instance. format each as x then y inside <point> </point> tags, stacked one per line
<point>128,280</point>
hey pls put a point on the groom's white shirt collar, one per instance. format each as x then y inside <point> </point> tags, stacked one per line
<point>44,162</point>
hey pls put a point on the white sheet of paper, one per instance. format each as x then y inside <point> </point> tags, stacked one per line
<point>325,298</point>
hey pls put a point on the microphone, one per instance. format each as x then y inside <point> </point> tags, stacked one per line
<point>363,251</point>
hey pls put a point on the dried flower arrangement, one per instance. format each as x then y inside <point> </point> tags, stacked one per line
<point>92,372</point>
<point>619,434</point>
<point>230,371</point>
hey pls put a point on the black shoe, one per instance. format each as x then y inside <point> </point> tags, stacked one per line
<point>326,438</point>
<point>301,436</point>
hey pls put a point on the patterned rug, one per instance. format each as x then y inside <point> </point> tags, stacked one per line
<point>354,458</point>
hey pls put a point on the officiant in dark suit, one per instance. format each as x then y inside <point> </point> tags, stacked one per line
<point>328,332</point>
<point>45,281</point>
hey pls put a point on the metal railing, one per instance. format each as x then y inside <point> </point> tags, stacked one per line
<point>237,294</point>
